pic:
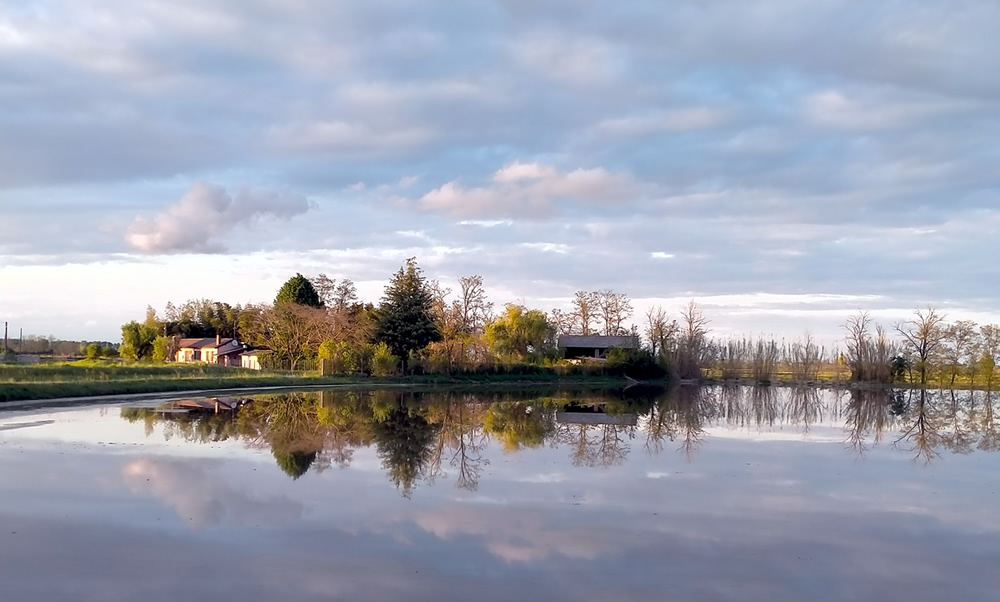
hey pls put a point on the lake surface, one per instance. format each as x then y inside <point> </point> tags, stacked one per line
<point>691,494</point>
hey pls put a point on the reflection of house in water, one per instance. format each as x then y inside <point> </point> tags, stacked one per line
<point>191,407</point>
<point>593,414</point>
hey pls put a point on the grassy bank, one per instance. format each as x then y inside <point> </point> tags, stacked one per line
<point>830,378</point>
<point>84,379</point>
<point>100,371</point>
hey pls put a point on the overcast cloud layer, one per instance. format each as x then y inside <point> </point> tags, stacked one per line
<point>785,162</point>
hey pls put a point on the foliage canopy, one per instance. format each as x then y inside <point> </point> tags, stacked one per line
<point>298,289</point>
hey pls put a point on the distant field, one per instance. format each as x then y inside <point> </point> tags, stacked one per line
<point>99,371</point>
<point>90,378</point>
<point>87,378</point>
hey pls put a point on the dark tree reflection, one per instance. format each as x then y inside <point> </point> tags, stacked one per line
<point>804,407</point>
<point>988,437</point>
<point>404,440</point>
<point>440,435</point>
<point>461,439</point>
<point>920,434</point>
<point>868,414</point>
<point>681,415</point>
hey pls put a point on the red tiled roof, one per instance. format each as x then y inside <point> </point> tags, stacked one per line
<point>206,343</point>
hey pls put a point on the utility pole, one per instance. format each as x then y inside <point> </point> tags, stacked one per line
<point>20,342</point>
<point>5,338</point>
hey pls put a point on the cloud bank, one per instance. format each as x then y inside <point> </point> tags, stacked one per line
<point>530,191</point>
<point>206,214</point>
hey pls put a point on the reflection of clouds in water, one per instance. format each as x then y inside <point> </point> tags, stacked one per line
<point>203,498</point>
<point>555,477</point>
<point>23,425</point>
<point>523,534</point>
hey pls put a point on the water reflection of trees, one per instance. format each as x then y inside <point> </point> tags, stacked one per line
<point>431,436</point>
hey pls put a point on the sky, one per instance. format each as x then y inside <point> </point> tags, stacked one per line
<point>782,163</point>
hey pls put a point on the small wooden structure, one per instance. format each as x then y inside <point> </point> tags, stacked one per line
<point>594,347</point>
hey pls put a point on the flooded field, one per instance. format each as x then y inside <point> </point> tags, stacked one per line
<point>690,494</point>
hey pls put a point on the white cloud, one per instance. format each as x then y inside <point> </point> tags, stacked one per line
<point>523,536</point>
<point>486,223</point>
<point>532,190</point>
<point>578,60</point>
<point>547,247</point>
<point>326,135</point>
<point>206,213</point>
<point>203,498</point>
<point>876,109</point>
<point>659,122</point>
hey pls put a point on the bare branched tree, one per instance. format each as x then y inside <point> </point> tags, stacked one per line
<point>869,354</point>
<point>694,341</point>
<point>613,309</point>
<point>325,288</point>
<point>805,358</point>
<point>660,330</point>
<point>960,341</point>
<point>585,310</point>
<point>563,322</point>
<point>345,295</point>
<point>474,308</point>
<point>924,336</point>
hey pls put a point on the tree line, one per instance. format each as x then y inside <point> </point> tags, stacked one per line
<point>55,347</point>
<point>418,325</point>
<point>925,349</point>
<point>421,326</point>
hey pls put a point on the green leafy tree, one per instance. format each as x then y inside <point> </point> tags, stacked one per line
<point>93,351</point>
<point>201,318</point>
<point>520,332</point>
<point>406,314</point>
<point>384,363</point>
<point>161,348</point>
<point>137,341</point>
<point>298,289</point>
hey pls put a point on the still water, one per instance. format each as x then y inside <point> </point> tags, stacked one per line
<point>690,494</point>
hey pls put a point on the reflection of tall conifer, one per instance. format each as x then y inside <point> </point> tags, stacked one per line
<point>404,440</point>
